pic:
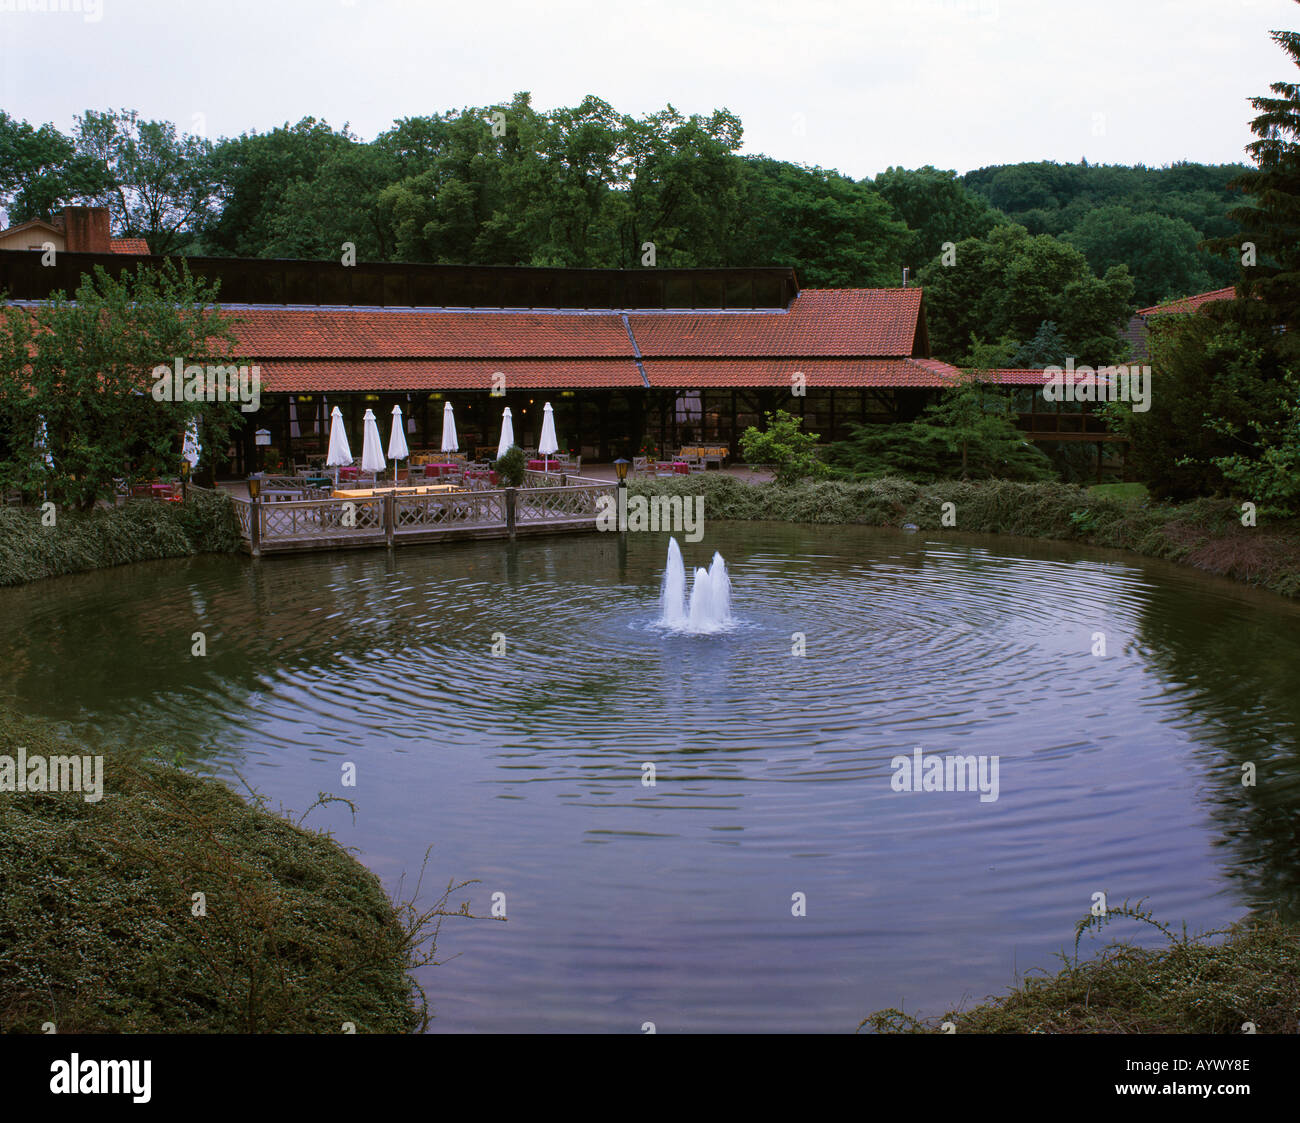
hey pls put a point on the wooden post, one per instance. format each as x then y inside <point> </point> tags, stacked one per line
<point>564,479</point>
<point>255,528</point>
<point>390,517</point>
<point>510,511</point>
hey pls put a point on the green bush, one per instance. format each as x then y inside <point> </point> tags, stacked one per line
<point>791,452</point>
<point>925,452</point>
<point>510,467</point>
<point>98,932</point>
<point>138,531</point>
<point>1196,984</point>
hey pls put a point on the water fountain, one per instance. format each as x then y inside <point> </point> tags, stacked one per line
<point>709,608</point>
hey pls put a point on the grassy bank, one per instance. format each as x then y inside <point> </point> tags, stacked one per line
<point>1206,534</point>
<point>98,924</point>
<point>138,531</point>
<point>1213,984</point>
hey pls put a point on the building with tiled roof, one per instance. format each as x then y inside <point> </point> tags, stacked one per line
<point>834,356</point>
<point>74,230</point>
<point>1136,332</point>
<point>1189,304</point>
<point>626,357</point>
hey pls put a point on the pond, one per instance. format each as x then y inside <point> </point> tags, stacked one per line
<point>774,777</point>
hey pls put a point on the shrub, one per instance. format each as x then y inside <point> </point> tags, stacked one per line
<point>510,467</point>
<point>139,531</point>
<point>783,445</point>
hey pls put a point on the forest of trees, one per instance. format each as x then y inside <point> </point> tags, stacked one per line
<point>588,186</point>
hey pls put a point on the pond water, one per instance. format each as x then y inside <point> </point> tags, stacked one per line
<point>673,904</point>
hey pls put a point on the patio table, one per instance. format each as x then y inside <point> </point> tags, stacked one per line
<point>375,492</point>
<point>678,467</point>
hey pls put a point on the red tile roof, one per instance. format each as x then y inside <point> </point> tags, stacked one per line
<point>838,337</point>
<point>1189,303</point>
<point>819,373</point>
<point>875,322</point>
<point>338,333</point>
<point>130,245</point>
<point>305,376</point>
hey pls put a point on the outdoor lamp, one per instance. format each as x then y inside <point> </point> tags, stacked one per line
<point>262,437</point>
<point>620,466</point>
<point>254,488</point>
<point>185,478</point>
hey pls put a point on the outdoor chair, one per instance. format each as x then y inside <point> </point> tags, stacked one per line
<point>640,464</point>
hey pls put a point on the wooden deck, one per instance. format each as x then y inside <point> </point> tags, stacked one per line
<point>396,519</point>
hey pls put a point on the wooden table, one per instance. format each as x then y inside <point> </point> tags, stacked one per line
<point>375,492</point>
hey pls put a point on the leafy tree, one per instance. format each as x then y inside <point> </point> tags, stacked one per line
<point>251,175</point>
<point>314,217</point>
<point>1050,198</point>
<point>83,366</point>
<point>1219,398</point>
<point>832,230</point>
<point>159,183</point>
<point>1269,472</point>
<point>40,170</point>
<point>785,446</point>
<point>1160,252</point>
<point>1009,282</point>
<point>684,187</point>
<point>937,209</point>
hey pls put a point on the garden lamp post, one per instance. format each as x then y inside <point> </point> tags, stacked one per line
<point>185,479</point>
<point>620,467</point>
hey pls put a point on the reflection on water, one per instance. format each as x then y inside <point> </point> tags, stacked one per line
<point>1119,773</point>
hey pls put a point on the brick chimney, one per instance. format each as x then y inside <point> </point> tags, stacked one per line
<point>86,230</point>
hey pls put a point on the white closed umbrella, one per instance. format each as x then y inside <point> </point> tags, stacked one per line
<point>372,452</point>
<point>191,450</point>
<point>397,449</point>
<point>548,444</point>
<point>42,445</point>
<point>449,443</point>
<point>507,433</point>
<point>340,455</point>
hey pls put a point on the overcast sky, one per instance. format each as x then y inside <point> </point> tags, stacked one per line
<point>854,86</point>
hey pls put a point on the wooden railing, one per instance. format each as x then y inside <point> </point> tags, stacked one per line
<point>552,504</point>
<point>324,523</point>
